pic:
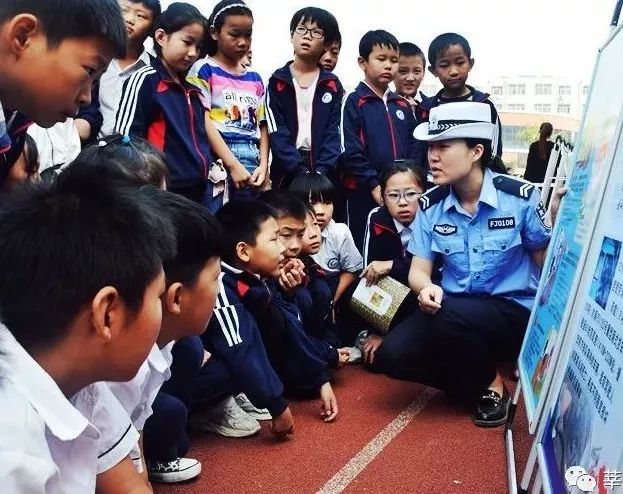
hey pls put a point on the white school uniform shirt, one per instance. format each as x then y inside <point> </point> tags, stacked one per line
<point>137,396</point>
<point>338,252</point>
<point>47,444</point>
<point>111,87</point>
<point>404,232</point>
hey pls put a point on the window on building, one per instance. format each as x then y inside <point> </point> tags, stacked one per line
<point>516,89</point>
<point>564,108</point>
<point>497,90</point>
<point>564,90</point>
<point>584,90</point>
<point>543,89</point>
<point>542,108</point>
<point>517,107</point>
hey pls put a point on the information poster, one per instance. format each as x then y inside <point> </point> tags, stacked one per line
<point>582,445</point>
<point>576,219</point>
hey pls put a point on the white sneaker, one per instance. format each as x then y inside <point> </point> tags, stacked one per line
<point>178,470</point>
<point>360,341</point>
<point>355,355</point>
<point>226,419</point>
<point>257,413</point>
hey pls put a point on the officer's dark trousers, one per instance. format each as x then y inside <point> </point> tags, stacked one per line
<point>457,349</point>
<point>471,335</point>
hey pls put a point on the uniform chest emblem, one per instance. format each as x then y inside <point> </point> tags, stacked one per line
<point>445,229</point>
<point>501,223</point>
<point>400,114</point>
<point>327,97</point>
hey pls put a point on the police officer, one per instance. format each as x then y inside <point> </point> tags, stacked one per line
<point>490,232</point>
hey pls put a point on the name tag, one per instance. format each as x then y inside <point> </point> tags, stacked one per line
<point>499,223</point>
<point>445,229</point>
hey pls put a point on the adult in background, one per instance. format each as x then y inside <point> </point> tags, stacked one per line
<point>538,155</point>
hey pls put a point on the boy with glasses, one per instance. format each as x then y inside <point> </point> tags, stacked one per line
<point>303,102</point>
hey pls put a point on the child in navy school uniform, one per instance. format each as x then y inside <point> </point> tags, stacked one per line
<point>263,281</point>
<point>377,128</point>
<point>160,105</point>
<point>303,102</point>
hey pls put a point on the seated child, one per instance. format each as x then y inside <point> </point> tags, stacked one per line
<point>254,232</point>
<point>377,128</point>
<point>338,256</point>
<point>411,70</point>
<point>233,338</point>
<point>387,236</point>
<point>101,309</point>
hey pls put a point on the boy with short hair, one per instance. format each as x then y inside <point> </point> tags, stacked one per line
<point>257,254</point>
<point>303,102</point>
<point>331,55</point>
<point>101,313</point>
<point>139,17</point>
<point>411,69</point>
<point>251,252</point>
<point>450,58</point>
<point>51,54</point>
<point>377,129</point>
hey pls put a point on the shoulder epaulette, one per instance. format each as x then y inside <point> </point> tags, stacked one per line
<point>433,196</point>
<point>514,186</point>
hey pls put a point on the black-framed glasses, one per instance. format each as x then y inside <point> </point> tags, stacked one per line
<point>408,195</point>
<point>315,32</point>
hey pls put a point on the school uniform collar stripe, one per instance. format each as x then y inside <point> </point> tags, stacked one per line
<point>366,239</point>
<point>129,99</point>
<point>60,416</point>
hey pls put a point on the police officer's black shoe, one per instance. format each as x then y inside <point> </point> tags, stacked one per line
<point>492,409</point>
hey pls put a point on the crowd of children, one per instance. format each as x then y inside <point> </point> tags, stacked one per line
<point>194,265</point>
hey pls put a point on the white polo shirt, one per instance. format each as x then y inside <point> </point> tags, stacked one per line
<point>137,396</point>
<point>338,252</point>
<point>111,87</point>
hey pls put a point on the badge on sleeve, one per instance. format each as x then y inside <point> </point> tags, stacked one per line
<point>327,97</point>
<point>501,223</point>
<point>445,229</point>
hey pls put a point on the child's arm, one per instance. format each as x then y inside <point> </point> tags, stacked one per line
<point>346,279</point>
<point>329,403</point>
<point>261,172</point>
<point>282,143</point>
<point>354,158</point>
<point>351,261</point>
<point>136,107</point>
<point>122,479</point>
<point>326,160</point>
<point>238,173</point>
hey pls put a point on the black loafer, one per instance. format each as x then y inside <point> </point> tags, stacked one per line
<point>492,409</point>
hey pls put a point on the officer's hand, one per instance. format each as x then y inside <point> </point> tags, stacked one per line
<point>429,299</point>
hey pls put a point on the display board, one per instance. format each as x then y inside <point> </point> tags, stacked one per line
<point>568,248</point>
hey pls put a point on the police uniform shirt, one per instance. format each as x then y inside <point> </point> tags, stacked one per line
<point>488,253</point>
<point>338,252</point>
<point>46,443</point>
<point>137,396</point>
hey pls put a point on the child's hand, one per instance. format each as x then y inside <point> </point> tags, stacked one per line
<point>258,176</point>
<point>377,196</point>
<point>329,403</point>
<point>239,175</point>
<point>375,271</point>
<point>206,357</point>
<point>371,345</point>
<point>343,354</point>
<point>283,425</point>
<point>291,275</point>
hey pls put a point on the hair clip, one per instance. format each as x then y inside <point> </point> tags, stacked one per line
<point>126,140</point>
<point>102,144</point>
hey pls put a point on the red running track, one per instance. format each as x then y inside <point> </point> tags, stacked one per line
<point>432,447</point>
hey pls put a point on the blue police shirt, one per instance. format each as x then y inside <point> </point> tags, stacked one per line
<point>488,253</point>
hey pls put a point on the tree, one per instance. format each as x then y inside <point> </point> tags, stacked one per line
<point>529,134</point>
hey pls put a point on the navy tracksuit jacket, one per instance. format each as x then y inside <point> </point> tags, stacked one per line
<point>172,117</point>
<point>281,115</point>
<point>375,132</point>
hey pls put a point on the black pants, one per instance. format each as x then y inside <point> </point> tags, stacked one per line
<point>471,335</point>
<point>359,203</point>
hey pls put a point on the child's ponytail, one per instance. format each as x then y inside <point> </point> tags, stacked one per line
<point>217,20</point>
